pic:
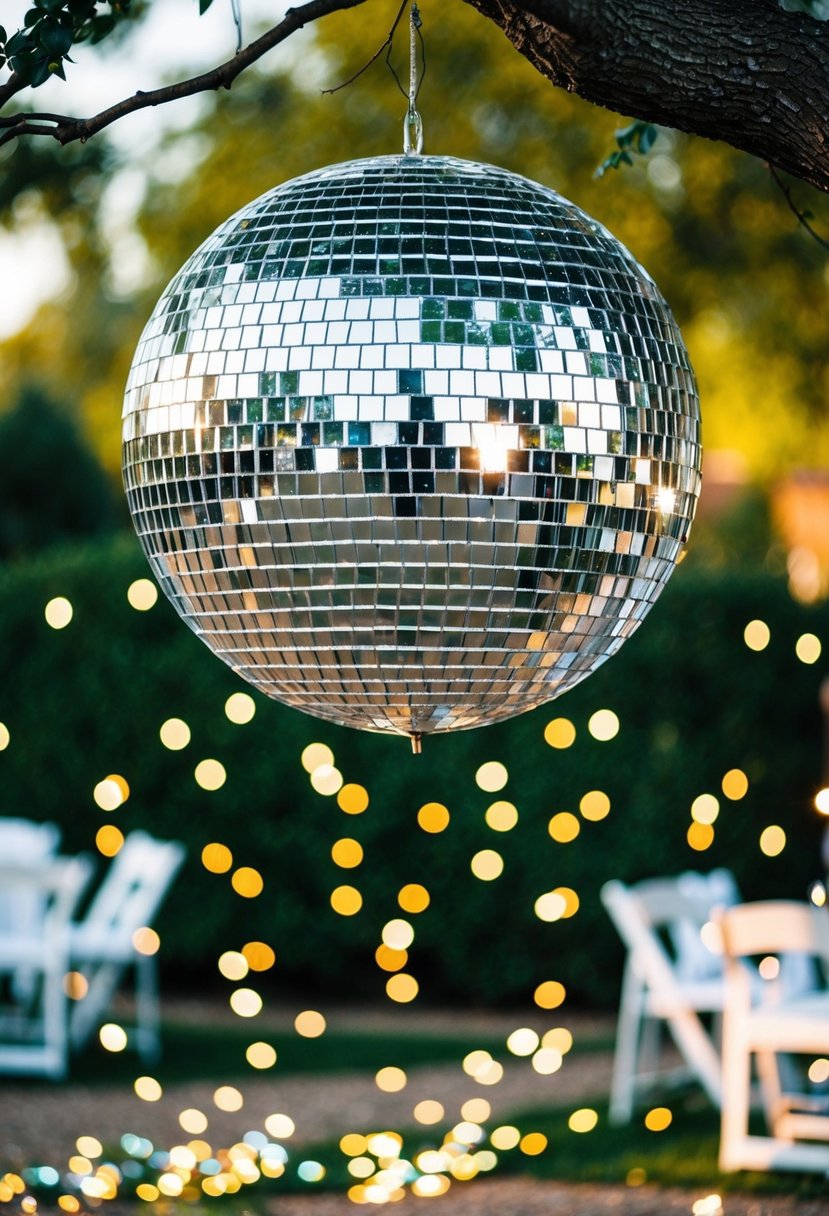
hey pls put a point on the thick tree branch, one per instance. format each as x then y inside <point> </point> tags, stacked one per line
<point>66,129</point>
<point>743,71</point>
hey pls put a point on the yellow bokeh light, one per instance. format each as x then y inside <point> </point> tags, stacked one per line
<point>397,934</point>
<point>259,956</point>
<point>113,1037</point>
<point>346,901</point>
<point>174,734</point>
<point>487,865</point>
<point>58,612</point>
<point>492,776</point>
<point>146,941</point>
<point>505,1138</point>
<point>433,817</point>
<point>148,1192</point>
<point>757,635</point>
<point>210,774</point>
<point>316,754</point>
<point>533,1143</point>
<point>109,793</point>
<point>228,1098</point>
<point>260,1055</point>
<point>735,784</point>
<point>558,1037</point>
<point>352,799</point>
<point>75,985</point>
<point>547,1060</point>
<point>281,1127</point>
<point>5,737</point>
<point>217,858</point>
<point>583,1120</point>
<point>77,1165</point>
<point>245,1002</point>
<point>769,967</point>
<point>310,1024</point>
<point>550,994</point>
<point>603,725</point>
<point>233,965</point>
<point>658,1119</point>
<point>391,960</point>
<point>142,595</point>
<point>193,1121</point>
<point>170,1185</point>
<point>523,1041</point>
<point>240,708</point>
<point>147,1089</point>
<point>413,898</point>
<point>808,648</point>
<point>501,816</point>
<point>564,827</point>
<point>700,836</point>
<point>705,808</point>
<point>66,1203</point>
<point>560,733</point>
<point>595,805</point>
<point>326,780</point>
<point>772,840</point>
<point>550,906</point>
<point>247,882</point>
<point>89,1146</point>
<point>391,1080</point>
<point>347,853</point>
<point>476,1110</point>
<point>352,1144</point>
<point>109,840</point>
<point>429,1111</point>
<point>819,1071</point>
<point>822,801</point>
<point>402,988</point>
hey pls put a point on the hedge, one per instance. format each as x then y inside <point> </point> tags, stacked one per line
<point>693,702</point>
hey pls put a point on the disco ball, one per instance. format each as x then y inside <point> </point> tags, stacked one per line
<point>412,444</point>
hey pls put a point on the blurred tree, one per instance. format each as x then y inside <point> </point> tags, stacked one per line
<point>51,485</point>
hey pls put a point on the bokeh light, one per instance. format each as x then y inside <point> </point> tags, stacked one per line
<point>347,853</point>
<point>58,612</point>
<point>111,793</point>
<point>346,900</point>
<point>280,1126</point>
<point>352,798</point>
<point>210,774</point>
<point>413,898</point>
<point>433,817</point>
<point>492,776</point>
<point>174,734</point>
<point>819,1071</point>
<point>735,784</point>
<point>247,882</point>
<point>705,808</point>
<point>228,1098</point>
<point>245,1002</point>
<point>658,1119</point>
<point>233,965</point>
<point>259,956</point>
<point>533,1144</point>
<point>429,1111</point>
<point>397,934</point>
<point>700,836</point>
<point>523,1041</point>
<point>564,827</point>
<point>109,840</point>
<point>391,1079</point>
<point>5,737</point>
<point>315,755</point>
<point>260,1055</point>
<point>402,988</point>
<point>193,1121</point>
<point>594,805</point>
<point>217,858</point>
<point>603,725</point>
<point>326,780</point>
<point>142,594</point>
<point>240,708</point>
<point>113,1037</point>
<point>560,733</point>
<point>146,941</point>
<point>148,1089</point>
<point>757,635</point>
<point>487,865</point>
<point>808,648</point>
<point>550,994</point>
<point>501,816</point>
<point>772,840</point>
<point>822,801</point>
<point>310,1024</point>
<point>583,1120</point>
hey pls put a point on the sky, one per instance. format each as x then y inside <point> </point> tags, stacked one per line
<point>172,42</point>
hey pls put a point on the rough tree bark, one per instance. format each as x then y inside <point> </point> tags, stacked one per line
<point>743,71</point>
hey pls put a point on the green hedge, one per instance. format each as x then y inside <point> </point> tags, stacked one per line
<point>693,702</point>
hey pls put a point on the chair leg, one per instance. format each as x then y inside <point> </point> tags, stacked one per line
<point>625,1060</point>
<point>736,1087</point>
<point>698,1050</point>
<point>147,1011</point>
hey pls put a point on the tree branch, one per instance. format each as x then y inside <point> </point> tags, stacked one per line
<point>66,129</point>
<point>743,71</point>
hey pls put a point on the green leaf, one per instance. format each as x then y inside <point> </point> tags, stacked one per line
<point>204,5</point>
<point>55,39</point>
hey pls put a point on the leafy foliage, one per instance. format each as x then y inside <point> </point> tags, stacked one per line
<point>50,29</point>
<point>636,139</point>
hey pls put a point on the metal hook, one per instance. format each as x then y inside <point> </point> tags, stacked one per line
<point>413,123</point>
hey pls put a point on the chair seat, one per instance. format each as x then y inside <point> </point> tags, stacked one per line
<point>705,996</point>
<point>801,1024</point>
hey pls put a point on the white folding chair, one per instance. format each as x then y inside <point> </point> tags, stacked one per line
<point>671,977</point>
<point>101,946</point>
<point>26,843</point>
<point>33,1018</point>
<point>779,1024</point>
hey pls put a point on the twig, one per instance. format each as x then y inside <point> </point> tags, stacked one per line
<point>799,215</point>
<point>65,129</point>
<point>375,56</point>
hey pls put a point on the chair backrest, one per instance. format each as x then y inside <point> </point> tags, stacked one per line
<point>775,927</point>
<point>55,886</point>
<point>25,843</point>
<point>132,890</point>
<point>680,907</point>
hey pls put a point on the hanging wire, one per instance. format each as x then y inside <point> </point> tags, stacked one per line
<point>236,9</point>
<point>413,123</point>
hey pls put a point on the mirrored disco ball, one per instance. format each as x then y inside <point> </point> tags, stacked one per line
<point>412,443</point>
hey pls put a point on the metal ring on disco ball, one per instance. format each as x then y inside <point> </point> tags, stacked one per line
<point>412,443</point>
